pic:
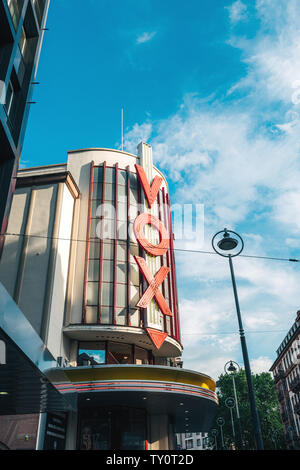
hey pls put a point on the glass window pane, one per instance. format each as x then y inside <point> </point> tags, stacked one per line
<point>134,274</point>
<point>107,210</point>
<point>110,175</point>
<point>98,173</point>
<point>122,230</point>
<point>133,196</point>
<point>97,191</point>
<point>131,233</point>
<point>122,193</point>
<point>122,177</point>
<point>107,229</point>
<point>107,294</point>
<point>93,270</point>
<point>119,353</point>
<point>110,192</point>
<point>134,295</point>
<point>90,353</point>
<point>121,251</point>
<point>108,271</point>
<point>121,273</point>
<point>121,299</point>
<point>96,209</point>
<point>134,251</point>
<point>121,316</point>
<point>135,317</point>
<point>91,315</point>
<point>133,212</point>
<point>94,249</point>
<point>106,315</point>
<point>122,211</point>
<point>92,293</point>
<point>108,250</point>
<point>141,356</point>
<point>168,321</point>
<point>95,228</point>
<point>133,180</point>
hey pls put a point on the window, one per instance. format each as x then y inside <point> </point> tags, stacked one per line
<point>15,8</point>
<point>90,354</point>
<point>119,353</point>
<point>22,41</point>
<point>189,443</point>
<point>198,442</point>
<point>9,98</point>
<point>141,356</point>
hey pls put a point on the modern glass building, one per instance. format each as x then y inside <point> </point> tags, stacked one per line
<point>89,260</point>
<point>22,24</point>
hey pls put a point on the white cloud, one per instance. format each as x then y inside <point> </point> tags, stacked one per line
<point>145,37</point>
<point>237,11</point>
<point>261,364</point>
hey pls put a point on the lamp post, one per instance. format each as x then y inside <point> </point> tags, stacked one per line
<point>231,367</point>
<point>230,247</point>
<point>229,402</point>
<point>221,422</point>
<point>214,433</point>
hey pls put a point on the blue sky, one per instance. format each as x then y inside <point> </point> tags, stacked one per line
<point>214,87</point>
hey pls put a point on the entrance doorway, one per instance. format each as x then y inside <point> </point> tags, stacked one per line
<point>116,428</point>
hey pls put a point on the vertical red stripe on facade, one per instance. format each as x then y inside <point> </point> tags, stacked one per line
<point>128,245</point>
<point>162,259</point>
<point>101,250</point>
<point>142,283</point>
<point>88,235</point>
<point>174,283</point>
<point>115,247</point>
<point>173,319</point>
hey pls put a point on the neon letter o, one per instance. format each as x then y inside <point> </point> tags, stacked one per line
<point>138,228</point>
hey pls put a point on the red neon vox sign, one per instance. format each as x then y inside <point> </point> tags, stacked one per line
<point>154,282</point>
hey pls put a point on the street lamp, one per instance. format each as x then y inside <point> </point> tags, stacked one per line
<point>221,422</point>
<point>232,367</point>
<point>229,402</point>
<point>230,246</point>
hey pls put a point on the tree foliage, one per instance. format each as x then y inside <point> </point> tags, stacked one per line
<point>267,406</point>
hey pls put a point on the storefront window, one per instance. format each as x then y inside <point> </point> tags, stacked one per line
<point>90,354</point>
<point>119,428</point>
<point>141,356</point>
<point>118,353</point>
<point>109,352</point>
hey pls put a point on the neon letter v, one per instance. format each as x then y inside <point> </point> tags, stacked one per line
<point>150,192</point>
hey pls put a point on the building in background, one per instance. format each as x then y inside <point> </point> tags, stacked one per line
<point>89,259</point>
<point>22,24</point>
<point>286,373</point>
<point>193,441</point>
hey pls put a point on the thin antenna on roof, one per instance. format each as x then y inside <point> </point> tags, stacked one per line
<point>122,120</point>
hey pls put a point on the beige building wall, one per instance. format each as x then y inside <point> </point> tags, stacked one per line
<point>35,260</point>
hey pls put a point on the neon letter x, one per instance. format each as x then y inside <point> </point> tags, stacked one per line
<point>153,289</point>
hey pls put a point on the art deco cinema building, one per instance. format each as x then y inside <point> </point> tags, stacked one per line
<point>89,259</point>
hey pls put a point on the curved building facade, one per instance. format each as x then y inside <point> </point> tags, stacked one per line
<point>95,275</point>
